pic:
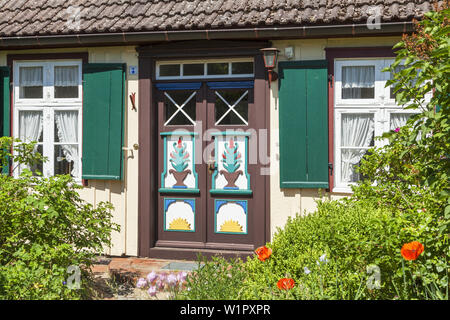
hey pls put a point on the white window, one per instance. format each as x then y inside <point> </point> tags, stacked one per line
<point>47,109</point>
<point>364,109</point>
<point>204,69</point>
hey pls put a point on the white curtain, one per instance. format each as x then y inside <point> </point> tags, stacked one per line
<point>358,77</point>
<point>398,120</point>
<point>357,131</point>
<point>66,76</point>
<point>30,125</point>
<point>67,130</point>
<point>30,76</point>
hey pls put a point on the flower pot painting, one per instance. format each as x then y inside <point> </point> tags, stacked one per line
<point>179,159</point>
<point>231,161</point>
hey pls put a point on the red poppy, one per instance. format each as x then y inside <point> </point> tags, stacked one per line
<point>263,253</point>
<point>285,283</point>
<point>412,250</point>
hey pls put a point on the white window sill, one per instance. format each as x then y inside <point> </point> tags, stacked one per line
<point>342,190</point>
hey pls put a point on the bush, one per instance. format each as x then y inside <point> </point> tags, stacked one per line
<point>47,232</point>
<point>358,240</point>
<point>216,279</point>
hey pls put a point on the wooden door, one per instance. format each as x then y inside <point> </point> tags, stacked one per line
<point>211,189</point>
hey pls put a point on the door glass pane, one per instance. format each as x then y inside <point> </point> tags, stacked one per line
<point>242,68</point>
<point>66,81</point>
<point>30,82</point>
<point>357,136</point>
<point>219,68</point>
<point>231,107</point>
<point>194,69</point>
<point>169,70</point>
<point>180,107</point>
<point>358,82</point>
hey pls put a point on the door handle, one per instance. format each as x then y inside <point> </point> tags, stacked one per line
<point>211,165</point>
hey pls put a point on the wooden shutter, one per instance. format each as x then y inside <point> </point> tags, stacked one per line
<point>5,111</point>
<point>303,114</point>
<point>103,110</point>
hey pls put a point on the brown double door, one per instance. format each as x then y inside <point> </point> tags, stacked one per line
<point>211,184</point>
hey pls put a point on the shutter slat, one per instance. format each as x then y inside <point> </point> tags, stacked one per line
<point>303,121</point>
<point>103,109</point>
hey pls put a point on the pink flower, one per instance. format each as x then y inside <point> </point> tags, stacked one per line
<point>152,276</point>
<point>141,283</point>
<point>397,129</point>
<point>182,276</point>
<point>152,291</point>
<point>172,279</point>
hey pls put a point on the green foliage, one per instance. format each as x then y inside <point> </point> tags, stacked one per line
<point>216,279</point>
<point>45,227</point>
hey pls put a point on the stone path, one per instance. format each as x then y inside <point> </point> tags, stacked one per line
<point>115,278</point>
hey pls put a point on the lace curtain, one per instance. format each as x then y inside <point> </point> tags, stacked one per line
<point>357,131</point>
<point>30,76</point>
<point>30,125</point>
<point>67,131</point>
<point>356,78</point>
<point>66,76</point>
<point>398,120</point>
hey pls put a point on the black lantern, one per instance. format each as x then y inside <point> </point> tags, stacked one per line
<point>270,61</point>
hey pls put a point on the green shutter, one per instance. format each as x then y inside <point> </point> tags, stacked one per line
<point>103,110</point>
<point>303,114</point>
<point>5,115</point>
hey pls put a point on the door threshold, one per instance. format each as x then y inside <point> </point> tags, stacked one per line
<point>193,254</point>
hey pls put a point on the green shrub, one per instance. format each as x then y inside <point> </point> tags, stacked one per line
<point>214,279</point>
<point>45,228</point>
<point>354,236</point>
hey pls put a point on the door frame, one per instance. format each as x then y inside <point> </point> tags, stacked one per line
<point>149,135</point>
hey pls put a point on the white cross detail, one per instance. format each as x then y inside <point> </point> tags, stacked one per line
<point>180,108</point>
<point>231,108</point>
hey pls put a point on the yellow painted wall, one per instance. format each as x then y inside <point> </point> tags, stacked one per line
<point>286,203</point>
<point>122,194</point>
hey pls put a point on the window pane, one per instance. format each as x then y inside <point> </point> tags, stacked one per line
<point>66,126</point>
<point>398,120</point>
<point>358,82</point>
<point>38,168</point>
<point>223,113</point>
<point>64,162</point>
<point>194,69</point>
<point>66,82</point>
<point>217,68</point>
<point>242,68</point>
<point>30,82</point>
<point>357,135</point>
<point>30,126</point>
<point>169,70</point>
<point>172,113</point>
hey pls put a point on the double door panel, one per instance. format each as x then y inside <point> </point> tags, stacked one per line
<point>211,192</point>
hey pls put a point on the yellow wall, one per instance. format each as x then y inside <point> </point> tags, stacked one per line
<point>122,194</point>
<point>286,203</point>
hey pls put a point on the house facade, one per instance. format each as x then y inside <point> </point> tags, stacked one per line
<point>170,111</point>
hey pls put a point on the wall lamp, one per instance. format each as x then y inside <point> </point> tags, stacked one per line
<point>270,61</point>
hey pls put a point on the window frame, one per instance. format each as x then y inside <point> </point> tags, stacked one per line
<point>48,105</point>
<point>205,65</point>
<point>382,106</point>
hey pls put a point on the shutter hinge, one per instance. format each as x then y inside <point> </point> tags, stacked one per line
<point>330,168</point>
<point>330,79</point>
